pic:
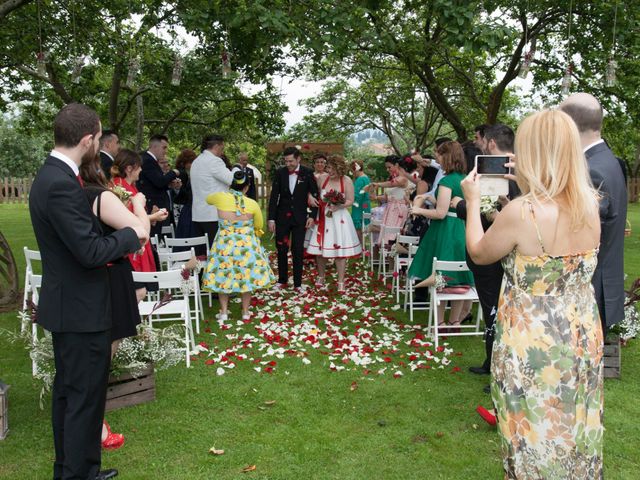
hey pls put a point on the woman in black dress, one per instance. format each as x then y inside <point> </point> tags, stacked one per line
<point>112,214</point>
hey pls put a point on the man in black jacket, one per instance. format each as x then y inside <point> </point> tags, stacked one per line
<point>153,182</point>
<point>294,187</point>
<point>75,301</point>
<point>109,148</point>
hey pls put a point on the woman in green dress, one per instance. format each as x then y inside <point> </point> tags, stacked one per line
<point>361,202</point>
<point>444,239</point>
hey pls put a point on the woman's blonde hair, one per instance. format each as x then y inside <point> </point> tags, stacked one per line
<point>338,163</point>
<point>550,165</point>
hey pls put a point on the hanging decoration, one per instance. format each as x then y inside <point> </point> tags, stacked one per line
<point>610,77</point>
<point>134,66</point>
<point>566,80</point>
<point>77,69</point>
<point>42,64</point>
<point>528,60</point>
<point>226,63</point>
<point>41,59</point>
<point>176,75</point>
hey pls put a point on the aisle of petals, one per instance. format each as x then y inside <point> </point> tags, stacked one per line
<point>357,329</point>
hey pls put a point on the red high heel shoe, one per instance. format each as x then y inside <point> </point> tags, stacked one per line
<point>486,415</point>
<point>114,440</point>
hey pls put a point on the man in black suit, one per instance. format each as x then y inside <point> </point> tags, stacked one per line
<point>109,148</point>
<point>153,182</point>
<point>75,303</point>
<point>243,166</point>
<point>294,186</point>
<point>498,140</point>
<point>607,176</point>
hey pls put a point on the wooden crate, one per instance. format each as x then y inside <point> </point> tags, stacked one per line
<point>612,357</point>
<point>126,390</point>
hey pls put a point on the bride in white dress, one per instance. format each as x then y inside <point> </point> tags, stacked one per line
<point>334,235</point>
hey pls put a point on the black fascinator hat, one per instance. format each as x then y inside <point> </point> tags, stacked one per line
<point>239,181</point>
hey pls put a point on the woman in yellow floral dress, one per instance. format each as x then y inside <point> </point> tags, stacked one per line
<point>237,262</point>
<point>547,356</point>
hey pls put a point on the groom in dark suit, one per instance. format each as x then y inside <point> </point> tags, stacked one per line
<point>608,178</point>
<point>75,301</point>
<point>294,188</point>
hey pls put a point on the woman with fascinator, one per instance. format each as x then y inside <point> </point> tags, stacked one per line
<point>237,262</point>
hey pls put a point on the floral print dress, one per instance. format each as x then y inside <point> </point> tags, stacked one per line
<point>547,383</point>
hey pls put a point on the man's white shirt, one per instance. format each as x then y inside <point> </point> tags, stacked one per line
<point>209,174</point>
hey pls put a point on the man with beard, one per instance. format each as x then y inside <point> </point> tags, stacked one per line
<point>75,302</point>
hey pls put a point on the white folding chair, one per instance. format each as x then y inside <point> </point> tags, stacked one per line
<point>167,231</point>
<point>175,261</point>
<point>169,280</point>
<point>403,260</point>
<point>438,297</point>
<point>190,242</point>
<point>409,299</point>
<point>30,256</point>
<point>35,282</point>
<point>158,244</point>
<point>364,229</point>
<point>385,248</point>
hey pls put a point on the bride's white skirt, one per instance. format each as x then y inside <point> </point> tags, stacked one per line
<point>339,239</point>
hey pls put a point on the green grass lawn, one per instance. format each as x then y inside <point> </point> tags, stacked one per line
<point>421,425</point>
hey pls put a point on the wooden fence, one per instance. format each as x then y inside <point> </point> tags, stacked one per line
<point>16,190</point>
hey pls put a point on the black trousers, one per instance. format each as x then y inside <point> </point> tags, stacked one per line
<point>488,281</point>
<point>79,394</point>
<point>210,228</point>
<point>288,234</point>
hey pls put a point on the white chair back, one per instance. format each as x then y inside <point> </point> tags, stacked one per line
<point>439,297</point>
<point>167,231</point>
<point>169,280</point>
<point>187,242</point>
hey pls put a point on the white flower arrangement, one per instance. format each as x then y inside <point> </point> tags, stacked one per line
<point>161,347</point>
<point>488,204</point>
<point>441,281</point>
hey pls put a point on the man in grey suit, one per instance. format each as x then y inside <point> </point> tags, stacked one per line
<point>607,176</point>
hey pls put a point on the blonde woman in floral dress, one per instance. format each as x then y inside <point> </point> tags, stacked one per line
<point>547,357</point>
<point>237,262</point>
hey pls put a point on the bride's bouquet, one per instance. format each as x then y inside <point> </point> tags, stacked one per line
<point>333,197</point>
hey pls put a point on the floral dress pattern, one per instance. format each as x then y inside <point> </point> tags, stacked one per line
<point>547,382</point>
<point>237,261</point>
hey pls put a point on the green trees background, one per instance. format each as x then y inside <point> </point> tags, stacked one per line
<point>413,69</point>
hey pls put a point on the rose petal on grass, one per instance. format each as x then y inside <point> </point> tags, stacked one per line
<point>248,468</point>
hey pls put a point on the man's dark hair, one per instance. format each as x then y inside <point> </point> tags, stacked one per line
<point>157,138</point>
<point>107,135</point>
<point>502,135</point>
<point>291,151</point>
<point>586,119</point>
<point>74,122</point>
<point>210,141</point>
<point>441,140</point>
<point>481,129</point>
<point>470,153</point>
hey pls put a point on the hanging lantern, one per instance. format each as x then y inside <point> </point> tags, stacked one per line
<point>134,66</point>
<point>176,76</point>
<point>77,70</point>
<point>526,64</point>
<point>611,72</point>
<point>566,81</point>
<point>42,64</point>
<point>226,64</point>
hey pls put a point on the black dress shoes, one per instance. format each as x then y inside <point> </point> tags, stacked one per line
<point>107,474</point>
<point>482,370</point>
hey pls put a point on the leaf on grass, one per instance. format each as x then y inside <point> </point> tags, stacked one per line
<point>248,468</point>
<point>270,403</point>
<point>439,434</point>
<point>215,451</point>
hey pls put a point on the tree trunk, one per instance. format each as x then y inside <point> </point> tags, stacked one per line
<point>8,274</point>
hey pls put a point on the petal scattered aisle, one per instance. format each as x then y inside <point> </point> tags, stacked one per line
<point>358,329</point>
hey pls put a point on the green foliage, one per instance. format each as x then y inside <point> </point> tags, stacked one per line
<point>21,153</point>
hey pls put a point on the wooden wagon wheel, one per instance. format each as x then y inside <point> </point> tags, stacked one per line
<point>8,274</point>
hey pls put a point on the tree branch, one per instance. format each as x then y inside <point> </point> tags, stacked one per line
<point>10,5</point>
